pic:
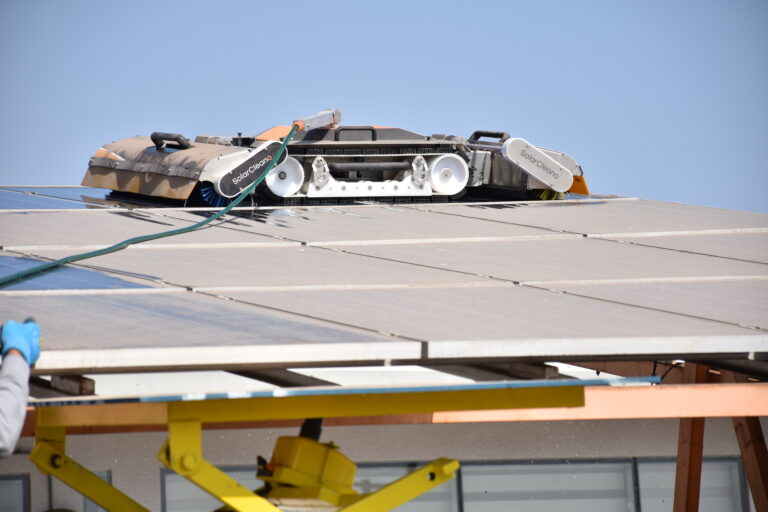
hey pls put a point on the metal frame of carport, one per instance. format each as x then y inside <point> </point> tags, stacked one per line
<point>185,416</point>
<point>697,392</point>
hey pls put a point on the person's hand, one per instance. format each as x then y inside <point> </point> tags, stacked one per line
<point>22,337</point>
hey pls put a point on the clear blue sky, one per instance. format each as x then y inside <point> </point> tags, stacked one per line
<point>656,99</point>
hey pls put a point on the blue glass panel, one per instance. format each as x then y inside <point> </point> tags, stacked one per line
<point>11,199</point>
<point>90,196</point>
<point>81,194</point>
<point>63,278</point>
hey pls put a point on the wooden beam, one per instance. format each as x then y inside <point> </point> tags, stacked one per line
<point>530,370</point>
<point>638,402</point>
<point>754,453</point>
<point>42,388</point>
<point>690,449</point>
<point>75,385</point>
<point>756,369</point>
<point>755,457</point>
<point>61,385</point>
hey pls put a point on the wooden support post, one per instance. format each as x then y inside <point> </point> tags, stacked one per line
<point>690,448</point>
<point>754,453</point>
<point>755,458</point>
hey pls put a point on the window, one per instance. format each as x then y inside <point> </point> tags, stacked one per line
<point>372,477</point>
<point>179,494</point>
<point>537,487</point>
<point>14,493</point>
<point>532,486</point>
<point>722,486</point>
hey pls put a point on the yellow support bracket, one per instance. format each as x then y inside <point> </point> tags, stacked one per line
<point>49,457</point>
<point>407,488</point>
<point>183,453</point>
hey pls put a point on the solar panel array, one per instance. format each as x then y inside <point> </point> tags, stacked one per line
<point>605,278</point>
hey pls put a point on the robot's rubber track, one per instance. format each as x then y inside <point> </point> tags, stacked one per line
<point>299,152</point>
<point>266,198</point>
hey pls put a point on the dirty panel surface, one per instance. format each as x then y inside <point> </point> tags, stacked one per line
<point>88,322</point>
<point>90,197</point>
<point>611,216</point>
<point>17,200</point>
<point>367,223</point>
<point>561,259</point>
<point>486,313</point>
<point>740,302</point>
<point>87,195</point>
<point>738,246</point>
<point>271,266</point>
<point>106,227</point>
<point>66,278</point>
<point>297,282</point>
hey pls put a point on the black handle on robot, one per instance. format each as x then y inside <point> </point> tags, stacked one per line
<point>502,136</point>
<point>159,138</point>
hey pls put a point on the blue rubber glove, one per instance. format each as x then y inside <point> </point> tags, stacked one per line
<point>23,337</point>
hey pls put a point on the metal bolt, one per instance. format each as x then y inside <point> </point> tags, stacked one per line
<point>188,461</point>
<point>57,461</point>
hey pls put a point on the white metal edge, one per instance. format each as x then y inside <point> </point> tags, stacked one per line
<point>619,346</point>
<point>387,286</point>
<point>175,358</point>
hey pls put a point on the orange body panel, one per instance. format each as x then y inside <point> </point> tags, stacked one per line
<point>579,186</point>
<point>274,133</point>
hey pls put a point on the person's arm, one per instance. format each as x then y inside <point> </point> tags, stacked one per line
<point>14,388</point>
<point>20,349</point>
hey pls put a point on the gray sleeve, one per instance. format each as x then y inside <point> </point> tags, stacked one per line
<point>14,388</point>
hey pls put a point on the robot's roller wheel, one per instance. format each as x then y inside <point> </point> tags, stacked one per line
<point>285,179</point>
<point>448,174</point>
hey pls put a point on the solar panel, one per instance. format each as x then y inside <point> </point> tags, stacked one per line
<point>380,283</point>
<point>11,199</point>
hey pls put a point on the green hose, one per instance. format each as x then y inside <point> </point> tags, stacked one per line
<point>26,274</point>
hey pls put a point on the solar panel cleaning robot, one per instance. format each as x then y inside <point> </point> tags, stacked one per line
<point>326,161</point>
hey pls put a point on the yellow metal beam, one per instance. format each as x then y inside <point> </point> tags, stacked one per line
<point>300,407</point>
<point>54,436</point>
<point>373,404</point>
<point>49,459</point>
<point>183,453</point>
<point>103,415</point>
<point>407,488</point>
